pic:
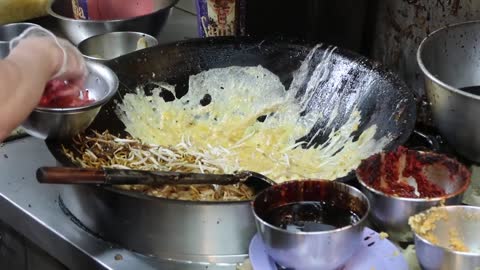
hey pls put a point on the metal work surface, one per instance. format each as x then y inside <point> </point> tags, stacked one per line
<point>34,211</point>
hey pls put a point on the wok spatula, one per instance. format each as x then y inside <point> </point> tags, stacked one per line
<point>107,176</point>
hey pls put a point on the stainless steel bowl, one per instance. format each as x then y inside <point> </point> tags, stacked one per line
<point>326,250</point>
<point>391,213</point>
<point>7,33</point>
<point>57,123</point>
<point>449,59</point>
<point>461,224</point>
<point>108,46</point>
<point>78,30</point>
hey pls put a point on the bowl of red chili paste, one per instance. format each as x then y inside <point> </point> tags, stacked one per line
<point>404,182</point>
<point>66,110</point>
<point>62,94</point>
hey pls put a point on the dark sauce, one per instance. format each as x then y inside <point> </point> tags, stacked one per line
<point>310,217</point>
<point>471,89</point>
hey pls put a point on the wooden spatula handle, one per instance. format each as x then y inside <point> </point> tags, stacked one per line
<point>67,175</point>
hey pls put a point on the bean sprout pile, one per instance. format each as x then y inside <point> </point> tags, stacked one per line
<point>104,150</point>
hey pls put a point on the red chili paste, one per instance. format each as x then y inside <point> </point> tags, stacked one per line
<point>382,172</point>
<point>60,94</point>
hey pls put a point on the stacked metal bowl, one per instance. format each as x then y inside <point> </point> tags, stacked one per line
<point>77,30</point>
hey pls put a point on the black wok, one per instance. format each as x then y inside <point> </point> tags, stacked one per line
<point>220,232</point>
<point>382,98</point>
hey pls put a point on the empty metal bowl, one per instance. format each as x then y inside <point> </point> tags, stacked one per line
<point>324,247</point>
<point>9,32</point>
<point>108,46</point>
<point>390,213</point>
<point>448,238</point>
<point>449,59</point>
<point>79,30</point>
<point>58,123</point>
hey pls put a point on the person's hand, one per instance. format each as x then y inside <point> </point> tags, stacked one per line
<point>69,62</point>
<point>72,66</point>
<point>72,70</point>
<point>38,59</point>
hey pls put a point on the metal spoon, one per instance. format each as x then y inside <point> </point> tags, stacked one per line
<point>107,176</point>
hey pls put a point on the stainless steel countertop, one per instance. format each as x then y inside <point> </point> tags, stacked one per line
<point>33,209</point>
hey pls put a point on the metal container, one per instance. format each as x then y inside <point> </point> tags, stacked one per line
<point>193,231</point>
<point>78,30</point>
<point>448,59</point>
<point>391,213</point>
<point>459,219</point>
<point>55,123</point>
<point>104,47</point>
<point>326,250</point>
<point>400,26</point>
<point>9,32</point>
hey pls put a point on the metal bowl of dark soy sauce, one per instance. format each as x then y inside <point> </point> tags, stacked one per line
<point>311,224</point>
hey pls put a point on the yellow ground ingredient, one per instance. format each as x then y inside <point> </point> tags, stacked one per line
<point>20,10</point>
<point>425,223</point>
<point>455,241</point>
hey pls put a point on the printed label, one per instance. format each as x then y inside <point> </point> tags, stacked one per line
<point>80,9</point>
<point>220,17</point>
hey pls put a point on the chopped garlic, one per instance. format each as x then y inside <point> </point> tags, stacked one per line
<point>383,235</point>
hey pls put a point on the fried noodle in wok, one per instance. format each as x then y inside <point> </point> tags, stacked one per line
<point>233,119</point>
<point>106,150</point>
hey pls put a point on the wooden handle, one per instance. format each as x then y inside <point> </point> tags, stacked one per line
<point>66,175</point>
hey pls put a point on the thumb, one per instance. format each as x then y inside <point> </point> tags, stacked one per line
<point>73,68</point>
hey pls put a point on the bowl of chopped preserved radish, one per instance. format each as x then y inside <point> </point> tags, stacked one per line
<point>446,237</point>
<point>66,110</point>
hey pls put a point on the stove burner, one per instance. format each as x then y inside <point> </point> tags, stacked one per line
<point>78,223</point>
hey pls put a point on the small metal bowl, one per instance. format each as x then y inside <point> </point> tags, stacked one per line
<point>459,227</point>
<point>108,46</point>
<point>9,32</point>
<point>390,213</point>
<point>79,30</point>
<point>59,123</point>
<point>327,249</point>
